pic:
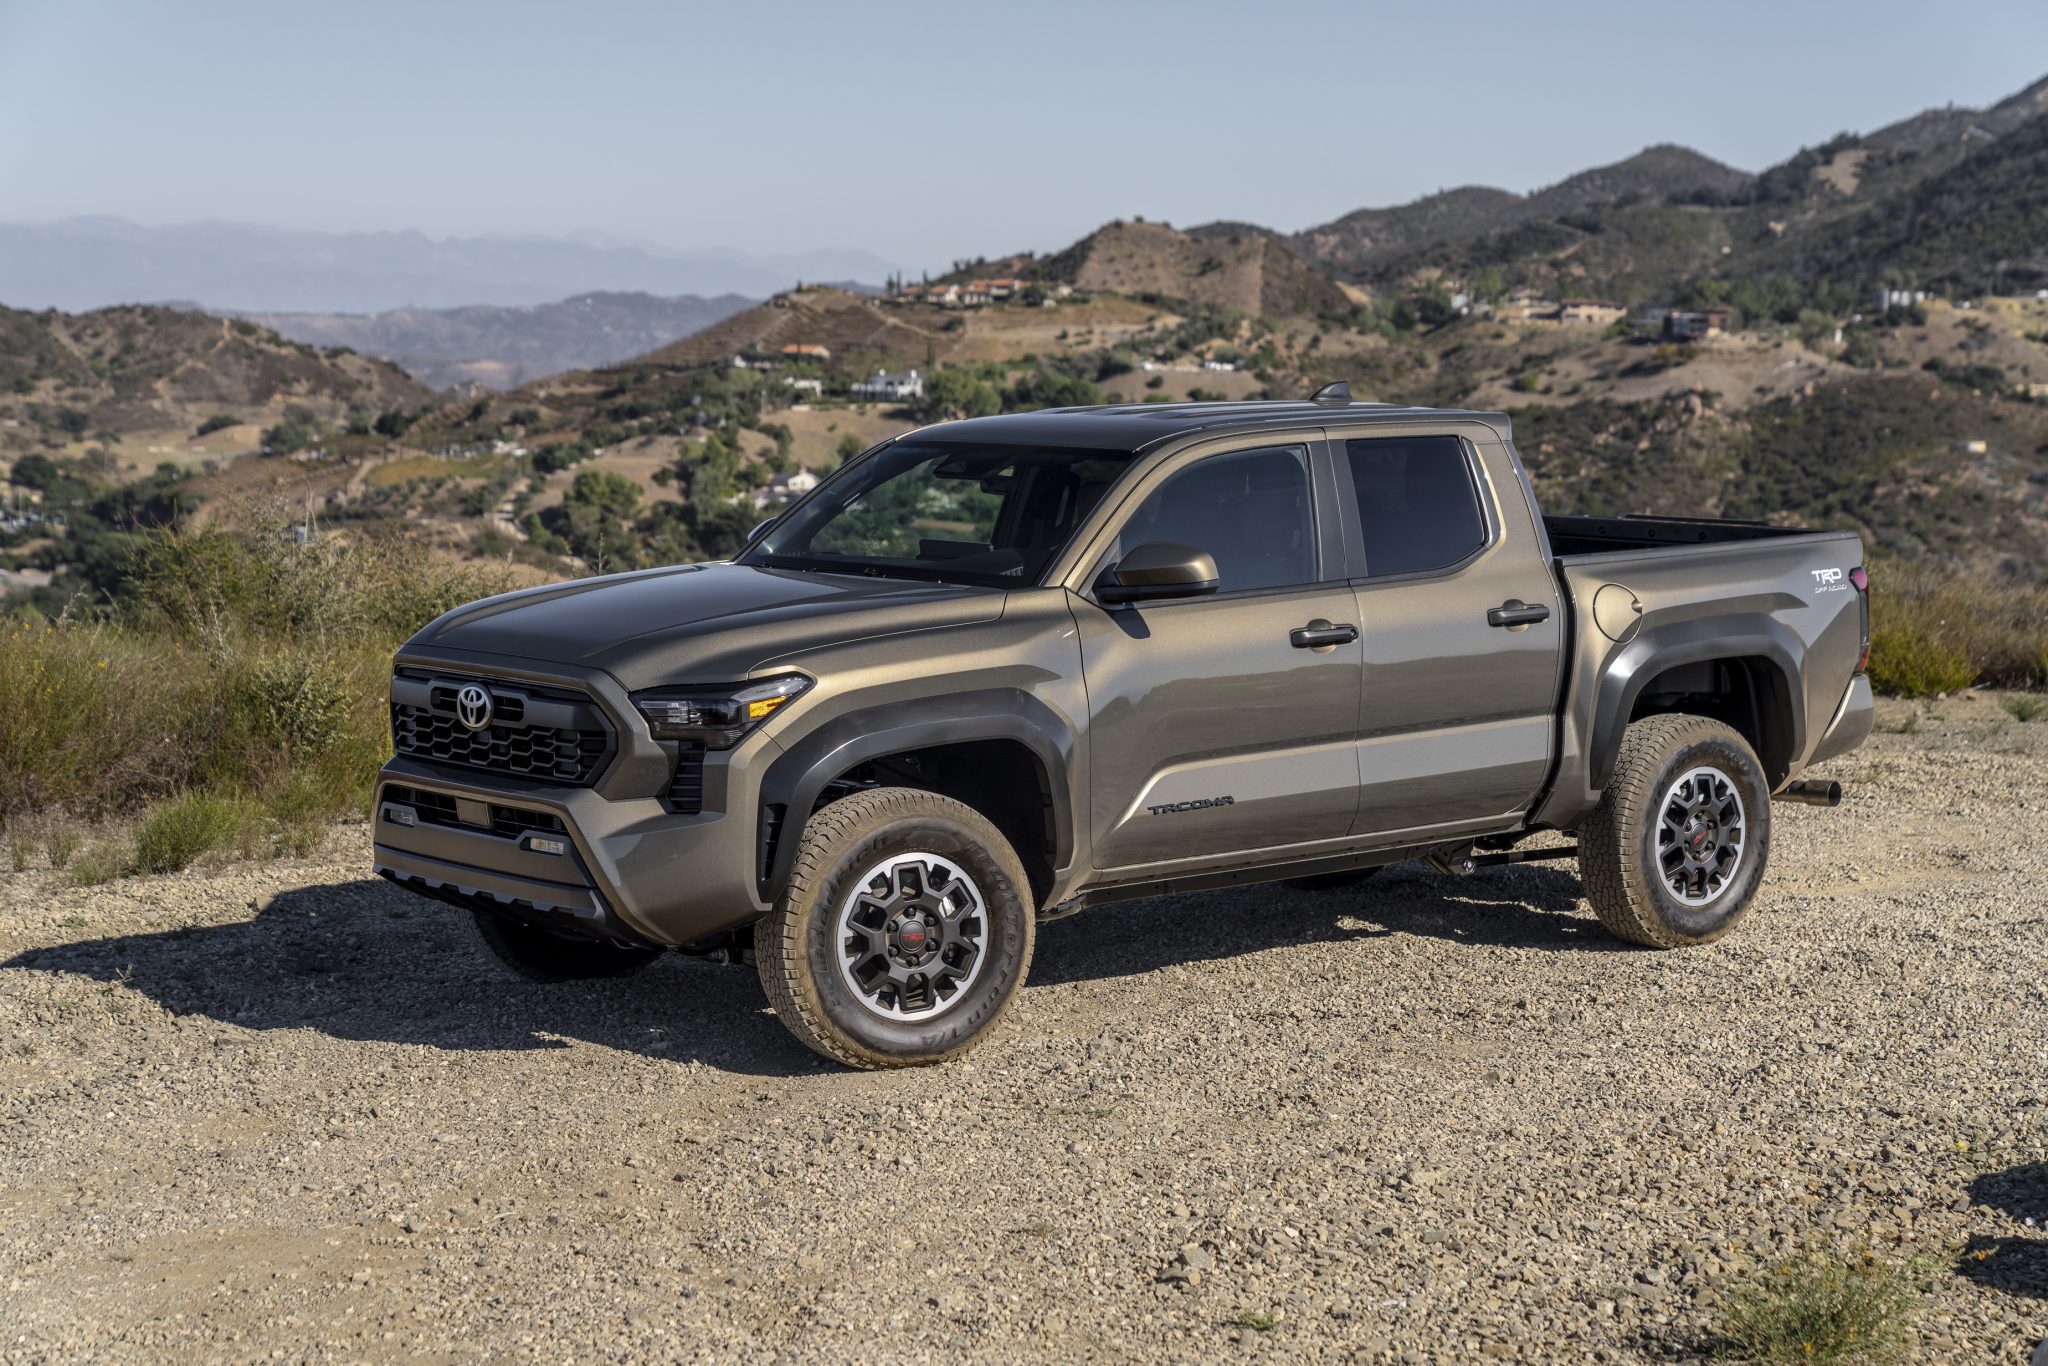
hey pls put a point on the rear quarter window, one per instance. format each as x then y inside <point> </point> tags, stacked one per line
<point>1418,507</point>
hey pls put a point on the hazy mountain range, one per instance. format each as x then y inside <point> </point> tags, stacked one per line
<point>84,263</point>
<point>500,347</point>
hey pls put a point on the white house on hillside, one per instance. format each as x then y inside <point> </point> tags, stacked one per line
<point>785,488</point>
<point>890,384</point>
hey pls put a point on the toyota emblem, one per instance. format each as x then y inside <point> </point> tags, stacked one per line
<point>473,706</point>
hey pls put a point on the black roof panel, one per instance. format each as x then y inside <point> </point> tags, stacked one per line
<point>1134,426</point>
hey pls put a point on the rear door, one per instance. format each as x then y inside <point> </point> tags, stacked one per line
<point>1463,629</point>
<point>1216,727</point>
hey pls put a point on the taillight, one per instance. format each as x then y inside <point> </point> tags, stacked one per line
<point>1861,579</point>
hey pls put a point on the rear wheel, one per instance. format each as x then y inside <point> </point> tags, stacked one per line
<point>904,932</point>
<point>540,955</point>
<point>1674,852</point>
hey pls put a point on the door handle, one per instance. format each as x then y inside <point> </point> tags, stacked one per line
<point>1514,612</point>
<point>1320,635</point>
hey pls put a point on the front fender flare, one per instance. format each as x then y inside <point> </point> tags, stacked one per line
<point>801,772</point>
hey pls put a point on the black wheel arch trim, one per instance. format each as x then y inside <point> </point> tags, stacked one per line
<point>1700,641</point>
<point>804,768</point>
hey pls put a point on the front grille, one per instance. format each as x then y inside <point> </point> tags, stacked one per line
<point>547,735</point>
<point>439,808</point>
<point>558,756</point>
<point>686,788</point>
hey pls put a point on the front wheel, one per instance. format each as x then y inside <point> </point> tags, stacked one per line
<point>1675,850</point>
<point>903,934</point>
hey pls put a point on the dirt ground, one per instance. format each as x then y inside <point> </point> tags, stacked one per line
<point>286,1111</point>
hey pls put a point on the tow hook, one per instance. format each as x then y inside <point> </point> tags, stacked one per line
<point>1456,861</point>
<point>1812,792</point>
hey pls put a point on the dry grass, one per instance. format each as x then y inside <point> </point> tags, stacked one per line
<point>239,703</point>
<point>1939,631</point>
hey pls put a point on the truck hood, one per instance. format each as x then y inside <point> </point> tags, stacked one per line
<point>703,623</point>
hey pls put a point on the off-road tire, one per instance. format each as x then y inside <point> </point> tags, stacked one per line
<point>796,948</point>
<point>537,955</point>
<point>1618,848</point>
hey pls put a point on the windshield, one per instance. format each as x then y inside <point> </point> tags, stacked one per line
<point>993,515</point>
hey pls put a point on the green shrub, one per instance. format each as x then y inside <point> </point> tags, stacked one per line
<point>62,845</point>
<point>1938,630</point>
<point>180,830</point>
<point>103,861</point>
<point>295,700</point>
<point>1908,661</point>
<point>2025,709</point>
<point>1821,1307</point>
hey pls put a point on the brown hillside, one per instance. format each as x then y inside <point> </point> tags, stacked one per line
<point>847,324</point>
<point>1253,273</point>
<point>142,368</point>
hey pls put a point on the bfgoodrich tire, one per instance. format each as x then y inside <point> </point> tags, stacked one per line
<point>1674,852</point>
<point>904,932</point>
<point>533,953</point>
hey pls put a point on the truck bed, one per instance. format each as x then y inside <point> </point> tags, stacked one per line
<point>1600,535</point>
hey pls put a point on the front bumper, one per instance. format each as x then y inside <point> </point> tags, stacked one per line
<point>631,869</point>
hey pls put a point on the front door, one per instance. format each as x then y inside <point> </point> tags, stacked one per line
<point>1463,635</point>
<point>1217,726</point>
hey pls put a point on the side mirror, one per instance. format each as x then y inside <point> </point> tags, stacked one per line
<point>1158,569</point>
<point>759,528</point>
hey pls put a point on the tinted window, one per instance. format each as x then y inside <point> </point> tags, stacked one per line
<point>1250,510</point>
<point>1416,503</point>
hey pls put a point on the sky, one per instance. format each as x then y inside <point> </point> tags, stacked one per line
<point>925,132</point>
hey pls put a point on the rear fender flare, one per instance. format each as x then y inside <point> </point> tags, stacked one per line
<point>1699,641</point>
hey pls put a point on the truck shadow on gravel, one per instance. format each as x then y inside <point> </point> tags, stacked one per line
<point>2017,1266</point>
<point>1518,907</point>
<point>362,960</point>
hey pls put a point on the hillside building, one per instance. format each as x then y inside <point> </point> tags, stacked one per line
<point>890,384</point>
<point>1597,312</point>
<point>1527,306</point>
<point>1696,324</point>
<point>784,488</point>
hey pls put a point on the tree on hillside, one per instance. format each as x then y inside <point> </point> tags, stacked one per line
<point>957,392</point>
<point>1050,389</point>
<point>605,493</point>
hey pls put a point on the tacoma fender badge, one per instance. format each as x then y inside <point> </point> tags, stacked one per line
<point>1198,804</point>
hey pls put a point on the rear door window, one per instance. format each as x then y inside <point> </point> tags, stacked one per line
<point>1418,507</point>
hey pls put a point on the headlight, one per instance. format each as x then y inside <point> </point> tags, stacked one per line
<point>716,717</point>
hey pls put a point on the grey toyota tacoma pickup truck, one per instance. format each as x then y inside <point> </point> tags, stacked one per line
<point>995,671</point>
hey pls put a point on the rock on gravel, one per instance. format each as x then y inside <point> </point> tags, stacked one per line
<point>284,1110</point>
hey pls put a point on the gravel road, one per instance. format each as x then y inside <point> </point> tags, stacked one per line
<point>285,1111</point>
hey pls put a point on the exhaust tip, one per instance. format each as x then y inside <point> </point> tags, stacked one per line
<point>1813,792</point>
